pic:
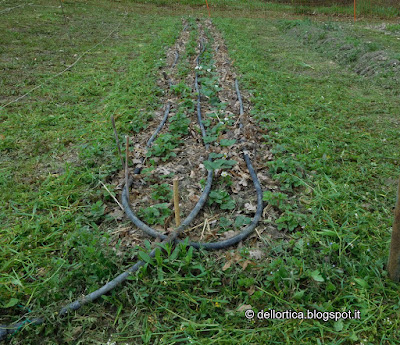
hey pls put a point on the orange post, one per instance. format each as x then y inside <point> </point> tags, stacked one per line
<point>208,9</point>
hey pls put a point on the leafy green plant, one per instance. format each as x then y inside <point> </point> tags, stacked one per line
<point>181,89</point>
<point>222,198</point>
<point>97,210</point>
<point>287,170</point>
<point>163,146</point>
<point>161,192</point>
<point>139,123</point>
<point>227,142</point>
<point>155,214</point>
<point>179,124</point>
<point>291,220</point>
<point>225,223</point>
<point>277,199</point>
<point>219,164</point>
<point>241,220</point>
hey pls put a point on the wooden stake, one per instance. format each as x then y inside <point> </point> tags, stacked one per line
<point>117,140</point>
<point>126,162</point>
<point>176,203</point>
<point>354,10</point>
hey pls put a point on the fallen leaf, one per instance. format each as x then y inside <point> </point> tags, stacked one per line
<point>118,214</point>
<point>229,233</point>
<point>251,290</point>
<point>244,307</point>
<point>250,207</point>
<point>194,198</point>
<point>246,263</point>
<point>227,265</point>
<point>256,254</point>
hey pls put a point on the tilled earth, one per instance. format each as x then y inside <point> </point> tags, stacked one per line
<point>187,165</point>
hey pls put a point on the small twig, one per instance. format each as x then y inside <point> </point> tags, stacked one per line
<point>117,140</point>
<point>176,203</point>
<point>204,228</point>
<point>202,224</point>
<point>120,230</point>
<point>209,228</point>
<point>114,198</point>
<point>262,239</point>
<point>126,163</point>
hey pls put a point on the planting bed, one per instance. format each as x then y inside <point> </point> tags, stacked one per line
<point>178,151</point>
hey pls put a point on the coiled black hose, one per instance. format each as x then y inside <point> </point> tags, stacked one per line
<point>176,59</point>
<point>206,245</point>
<point>160,126</point>
<point>5,330</point>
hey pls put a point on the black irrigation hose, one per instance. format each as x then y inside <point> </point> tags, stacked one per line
<point>200,203</point>
<point>5,330</point>
<point>135,220</point>
<point>10,329</point>
<point>160,126</point>
<point>15,327</point>
<point>241,111</point>
<point>210,245</point>
<point>176,59</point>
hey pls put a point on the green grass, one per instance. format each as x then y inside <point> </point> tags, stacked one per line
<point>342,134</point>
<point>335,140</point>
<point>257,7</point>
<point>393,27</point>
<point>359,47</point>
<point>56,144</point>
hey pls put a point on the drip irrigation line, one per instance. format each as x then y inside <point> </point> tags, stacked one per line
<point>176,59</point>
<point>171,238</point>
<point>160,126</point>
<point>206,245</point>
<point>200,203</point>
<point>10,329</point>
<point>135,220</point>
<point>241,110</point>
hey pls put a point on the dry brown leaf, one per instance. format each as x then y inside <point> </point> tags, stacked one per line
<point>244,307</point>
<point>246,263</point>
<point>227,265</point>
<point>243,182</point>
<point>194,198</point>
<point>251,290</point>
<point>117,214</point>
<point>256,254</point>
<point>237,257</point>
<point>163,171</point>
<point>250,207</point>
<point>229,233</point>
<point>266,210</point>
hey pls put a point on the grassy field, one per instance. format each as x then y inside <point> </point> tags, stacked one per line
<point>369,8</point>
<point>334,135</point>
